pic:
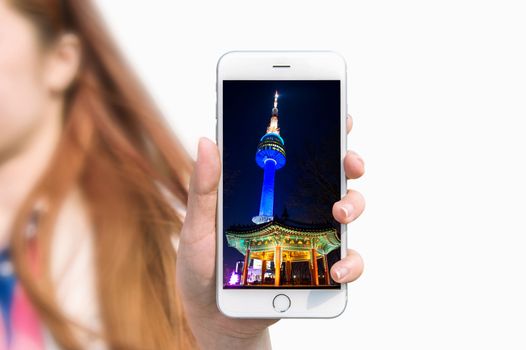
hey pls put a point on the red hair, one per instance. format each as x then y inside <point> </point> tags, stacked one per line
<point>116,148</point>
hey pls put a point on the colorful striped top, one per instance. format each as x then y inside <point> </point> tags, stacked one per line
<point>19,325</point>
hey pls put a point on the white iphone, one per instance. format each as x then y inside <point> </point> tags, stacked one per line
<point>281,133</point>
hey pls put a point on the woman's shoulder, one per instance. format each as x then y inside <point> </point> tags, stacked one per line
<point>73,266</point>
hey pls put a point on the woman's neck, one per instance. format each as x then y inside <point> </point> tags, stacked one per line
<point>21,169</point>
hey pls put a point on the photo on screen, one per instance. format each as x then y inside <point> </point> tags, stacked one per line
<point>281,177</point>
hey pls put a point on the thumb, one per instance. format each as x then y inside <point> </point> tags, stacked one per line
<point>200,219</point>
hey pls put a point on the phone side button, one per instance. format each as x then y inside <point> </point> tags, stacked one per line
<point>281,303</point>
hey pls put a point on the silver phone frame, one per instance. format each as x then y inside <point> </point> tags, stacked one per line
<point>305,65</point>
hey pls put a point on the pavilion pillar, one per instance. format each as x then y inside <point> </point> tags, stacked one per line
<point>277,265</point>
<point>314,266</point>
<point>263,268</point>
<point>245,266</point>
<point>327,272</point>
<point>311,270</point>
<point>288,270</point>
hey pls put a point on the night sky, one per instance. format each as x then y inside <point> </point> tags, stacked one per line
<point>309,122</point>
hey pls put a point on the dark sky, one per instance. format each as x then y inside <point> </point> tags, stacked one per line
<point>308,184</point>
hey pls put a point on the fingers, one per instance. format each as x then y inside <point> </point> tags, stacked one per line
<point>349,123</point>
<point>346,210</point>
<point>202,197</point>
<point>349,207</point>
<point>353,165</point>
<point>348,269</point>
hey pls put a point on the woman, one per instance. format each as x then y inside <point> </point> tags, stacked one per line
<point>93,190</point>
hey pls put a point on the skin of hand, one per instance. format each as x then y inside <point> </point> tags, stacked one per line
<point>196,281</point>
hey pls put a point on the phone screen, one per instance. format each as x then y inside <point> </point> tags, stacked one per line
<point>281,177</point>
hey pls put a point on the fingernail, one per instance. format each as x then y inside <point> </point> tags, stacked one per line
<point>347,210</point>
<point>361,160</point>
<point>341,272</point>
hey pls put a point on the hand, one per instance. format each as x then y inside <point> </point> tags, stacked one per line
<point>196,255</point>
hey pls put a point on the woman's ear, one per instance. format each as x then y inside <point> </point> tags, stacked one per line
<point>62,63</point>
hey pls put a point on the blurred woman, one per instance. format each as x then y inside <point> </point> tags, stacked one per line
<point>103,215</point>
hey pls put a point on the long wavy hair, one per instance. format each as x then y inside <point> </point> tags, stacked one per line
<point>117,149</point>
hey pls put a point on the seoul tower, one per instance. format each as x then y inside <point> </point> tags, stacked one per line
<point>270,156</point>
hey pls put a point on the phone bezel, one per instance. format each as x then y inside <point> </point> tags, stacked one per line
<point>259,65</point>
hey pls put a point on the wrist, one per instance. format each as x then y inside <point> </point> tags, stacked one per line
<point>257,342</point>
<point>220,336</point>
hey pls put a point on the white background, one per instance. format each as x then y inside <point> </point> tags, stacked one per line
<point>437,91</point>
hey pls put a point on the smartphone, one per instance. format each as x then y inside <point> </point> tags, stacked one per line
<point>281,133</point>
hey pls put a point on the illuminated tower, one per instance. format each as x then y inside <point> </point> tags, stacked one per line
<point>270,156</point>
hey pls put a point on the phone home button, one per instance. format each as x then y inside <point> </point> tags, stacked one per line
<point>281,303</point>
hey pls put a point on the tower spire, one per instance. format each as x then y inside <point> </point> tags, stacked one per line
<point>273,126</point>
<point>275,110</point>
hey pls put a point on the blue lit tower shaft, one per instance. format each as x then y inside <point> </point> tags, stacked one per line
<point>266,206</point>
<point>270,156</point>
